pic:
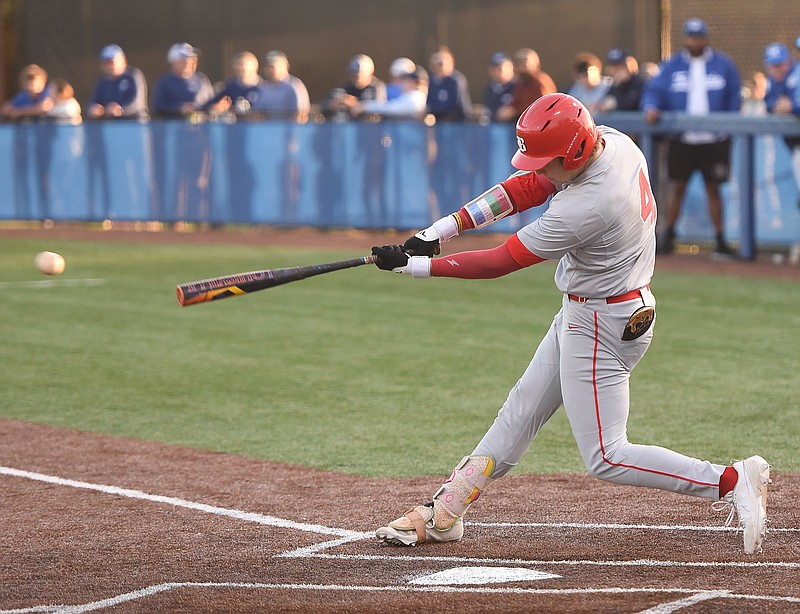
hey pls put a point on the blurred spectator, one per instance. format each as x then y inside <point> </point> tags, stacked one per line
<point>283,96</point>
<point>183,90</point>
<point>590,85</point>
<point>754,91</point>
<point>399,68</point>
<point>121,92</point>
<point>696,80</point>
<point>648,70</point>
<point>530,83</point>
<point>362,85</point>
<point>66,109</point>
<point>33,99</point>
<point>499,90</point>
<point>783,98</point>
<point>625,92</point>
<point>448,94</point>
<point>241,92</point>
<point>409,104</point>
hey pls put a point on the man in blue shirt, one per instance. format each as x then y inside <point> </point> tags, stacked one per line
<point>499,91</point>
<point>243,91</point>
<point>448,95</point>
<point>183,90</point>
<point>282,96</point>
<point>121,92</point>
<point>33,99</point>
<point>783,98</point>
<point>696,80</point>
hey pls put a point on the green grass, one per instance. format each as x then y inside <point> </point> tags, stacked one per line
<point>368,373</point>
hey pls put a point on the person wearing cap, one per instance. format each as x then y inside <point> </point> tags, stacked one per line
<point>409,104</point>
<point>183,90</point>
<point>397,70</point>
<point>448,94</point>
<point>696,80</point>
<point>121,91</point>
<point>590,85</point>
<point>282,95</point>
<point>361,86</point>
<point>499,90</point>
<point>625,92</point>
<point>783,98</point>
<point>239,93</point>
<point>34,98</point>
<point>530,84</point>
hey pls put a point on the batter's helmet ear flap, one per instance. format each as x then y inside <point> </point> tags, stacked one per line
<point>554,126</point>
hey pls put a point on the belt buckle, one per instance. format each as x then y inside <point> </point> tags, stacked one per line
<point>582,299</point>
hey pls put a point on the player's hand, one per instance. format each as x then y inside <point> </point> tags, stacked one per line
<point>390,257</point>
<point>422,245</point>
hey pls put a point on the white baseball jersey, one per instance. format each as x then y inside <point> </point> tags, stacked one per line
<point>601,226</point>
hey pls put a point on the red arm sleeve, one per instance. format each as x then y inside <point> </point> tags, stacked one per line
<point>529,190</point>
<point>486,263</point>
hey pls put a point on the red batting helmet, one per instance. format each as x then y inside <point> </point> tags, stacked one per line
<point>554,126</point>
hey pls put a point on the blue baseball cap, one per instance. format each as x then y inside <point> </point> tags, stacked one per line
<point>498,58</point>
<point>109,52</point>
<point>776,53</point>
<point>695,27</point>
<point>617,56</point>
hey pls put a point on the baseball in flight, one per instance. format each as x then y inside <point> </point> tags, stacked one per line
<point>50,263</point>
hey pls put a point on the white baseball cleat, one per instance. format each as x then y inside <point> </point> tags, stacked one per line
<point>419,525</point>
<point>749,501</point>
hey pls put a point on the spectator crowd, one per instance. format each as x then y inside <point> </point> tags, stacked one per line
<point>697,79</point>
<point>438,90</point>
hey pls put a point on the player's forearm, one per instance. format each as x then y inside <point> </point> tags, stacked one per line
<point>480,264</point>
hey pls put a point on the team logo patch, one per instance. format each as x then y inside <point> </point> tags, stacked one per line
<point>639,323</point>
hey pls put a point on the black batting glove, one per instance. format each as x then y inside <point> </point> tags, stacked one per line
<point>390,257</point>
<point>420,245</point>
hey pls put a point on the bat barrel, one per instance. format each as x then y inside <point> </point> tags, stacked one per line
<point>216,288</point>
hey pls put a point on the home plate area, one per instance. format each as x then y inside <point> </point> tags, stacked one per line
<point>96,523</point>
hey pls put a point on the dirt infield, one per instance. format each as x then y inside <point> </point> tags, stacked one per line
<point>106,523</point>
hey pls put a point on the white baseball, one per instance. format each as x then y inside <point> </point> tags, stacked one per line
<point>50,263</point>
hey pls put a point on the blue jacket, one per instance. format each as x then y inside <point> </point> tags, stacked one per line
<point>448,97</point>
<point>787,87</point>
<point>171,92</point>
<point>129,90</point>
<point>668,90</point>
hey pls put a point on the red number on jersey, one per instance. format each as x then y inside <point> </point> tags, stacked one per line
<point>646,196</point>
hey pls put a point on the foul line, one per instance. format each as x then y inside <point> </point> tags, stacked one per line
<point>51,283</point>
<point>694,597</point>
<point>626,527</point>
<point>271,521</point>
<point>564,562</point>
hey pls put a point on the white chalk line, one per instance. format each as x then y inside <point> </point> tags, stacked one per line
<point>51,283</point>
<point>271,521</point>
<point>673,606</point>
<point>558,562</point>
<point>626,527</point>
<point>169,586</point>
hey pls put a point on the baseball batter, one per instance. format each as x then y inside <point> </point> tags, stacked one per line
<point>600,226</point>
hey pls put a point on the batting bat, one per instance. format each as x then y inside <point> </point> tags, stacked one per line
<point>216,288</point>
